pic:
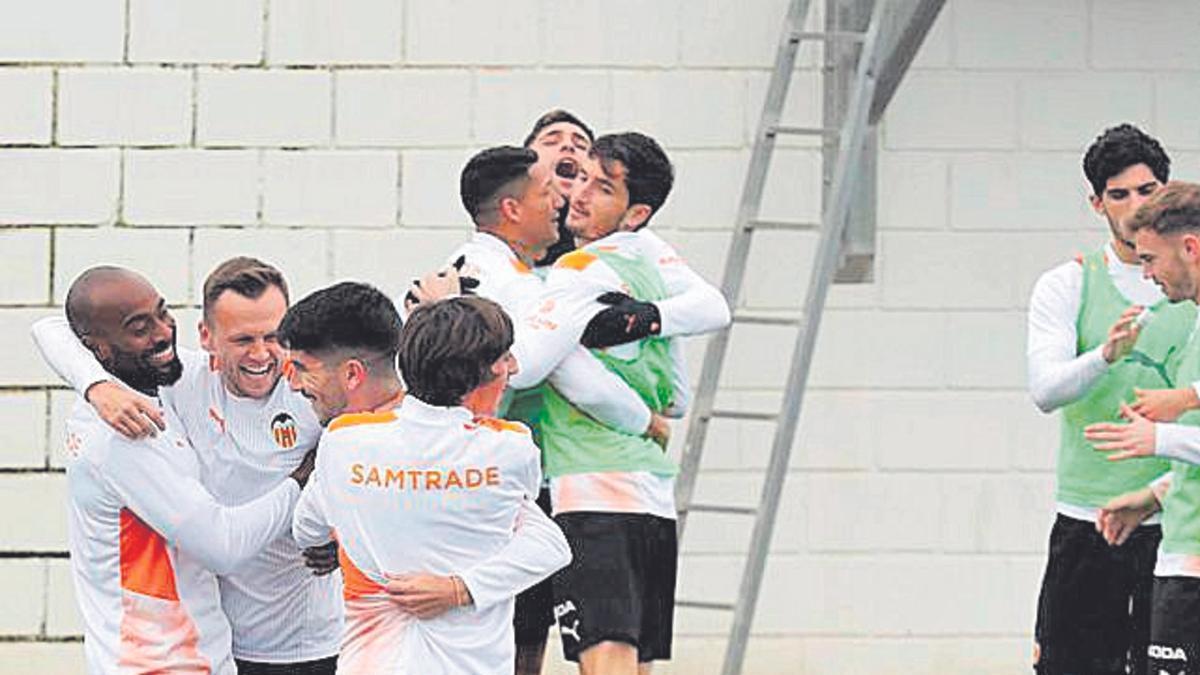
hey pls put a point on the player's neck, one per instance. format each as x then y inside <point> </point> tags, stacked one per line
<point>375,396</point>
<point>508,233</point>
<point>1125,253</point>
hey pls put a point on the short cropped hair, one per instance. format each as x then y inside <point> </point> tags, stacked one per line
<point>554,117</point>
<point>345,318</point>
<point>648,173</point>
<point>248,277</point>
<point>492,172</point>
<point>1119,148</point>
<point>447,348</point>
<point>1172,208</point>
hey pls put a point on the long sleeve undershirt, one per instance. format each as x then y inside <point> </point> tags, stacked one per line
<point>1058,375</point>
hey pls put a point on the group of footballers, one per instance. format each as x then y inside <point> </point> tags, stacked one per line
<point>1113,345</point>
<point>421,485</point>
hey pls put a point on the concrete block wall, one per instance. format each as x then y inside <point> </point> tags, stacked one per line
<point>327,137</point>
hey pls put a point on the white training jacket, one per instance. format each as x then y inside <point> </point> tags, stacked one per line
<point>429,489</point>
<point>146,539</point>
<point>279,610</point>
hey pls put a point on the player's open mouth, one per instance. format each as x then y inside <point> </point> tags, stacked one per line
<point>163,356</point>
<point>578,211</point>
<point>258,371</point>
<point>566,168</point>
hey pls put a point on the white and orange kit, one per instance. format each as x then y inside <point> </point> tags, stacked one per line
<point>551,331</point>
<point>433,490</point>
<point>279,610</point>
<point>146,542</point>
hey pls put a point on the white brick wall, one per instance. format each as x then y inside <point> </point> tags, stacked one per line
<point>125,106</point>
<point>28,96</point>
<point>327,137</point>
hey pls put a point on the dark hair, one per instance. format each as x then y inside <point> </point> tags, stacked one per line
<point>447,348</point>
<point>1119,148</point>
<point>648,173</point>
<point>248,277</point>
<point>1171,208</point>
<point>554,117</point>
<point>491,171</point>
<point>345,317</point>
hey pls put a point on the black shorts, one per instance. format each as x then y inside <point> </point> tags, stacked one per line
<point>620,585</point>
<point>1175,626</point>
<point>1093,612</point>
<point>326,666</point>
<point>534,611</point>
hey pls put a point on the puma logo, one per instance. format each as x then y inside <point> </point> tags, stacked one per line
<point>1159,367</point>
<point>573,630</point>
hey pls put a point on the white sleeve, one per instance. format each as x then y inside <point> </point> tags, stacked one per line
<point>1159,486</point>
<point>546,335</point>
<point>600,393</point>
<point>66,355</point>
<point>682,397</point>
<point>1177,441</point>
<point>185,514</point>
<point>310,524</point>
<point>693,305</point>
<point>537,550</point>
<point>1057,375</point>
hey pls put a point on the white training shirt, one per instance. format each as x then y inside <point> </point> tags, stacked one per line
<point>693,306</point>
<point>145,540</point>
<point>580,377</point>
<point>1057,375</point>
<point>429,489</point>
<point>279,610</point>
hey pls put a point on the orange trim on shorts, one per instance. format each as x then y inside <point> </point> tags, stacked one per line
<point>576,260</point>
<point>145,564</point>
<point>354,419</point>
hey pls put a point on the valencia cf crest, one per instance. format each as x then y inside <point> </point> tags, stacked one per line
<point>283,428</point>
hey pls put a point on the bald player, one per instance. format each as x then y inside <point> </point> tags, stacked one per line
<point>146,538</point>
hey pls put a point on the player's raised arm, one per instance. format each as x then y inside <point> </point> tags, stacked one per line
<point>134,415</point>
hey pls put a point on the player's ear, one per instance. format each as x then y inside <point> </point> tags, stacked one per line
<point>635,216</point>
<point>1190,245</point>
<point>353,373</point>
<point>205,336</point>
<point>100,348</point>
<point>510,209</point>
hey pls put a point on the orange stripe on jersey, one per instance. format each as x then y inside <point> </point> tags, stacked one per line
<point>521,267</point>
<point>355,584</point>
<point>576,260</point>
<point>354,419</point>
<point>145,563</point>
<point>501,425</point>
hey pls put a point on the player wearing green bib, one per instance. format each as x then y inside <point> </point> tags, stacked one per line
<point>613,493</point>
<point>1167,234</point>
<point>1088,354</point>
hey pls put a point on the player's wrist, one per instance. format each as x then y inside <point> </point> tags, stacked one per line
<point>462,595</point>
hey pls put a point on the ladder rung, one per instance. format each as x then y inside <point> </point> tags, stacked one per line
<point>829,36</point>
<point>720,508</point>
<point>740,415</point>
<point>745,316</point>
<point>780,225</point>
<point>802,131</point>
<point>698,604</point>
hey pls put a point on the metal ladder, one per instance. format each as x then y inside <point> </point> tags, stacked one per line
<point>862,109</point>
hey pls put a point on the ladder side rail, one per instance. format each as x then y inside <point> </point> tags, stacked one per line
<point>736,258</point>
<point>833,222</point>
